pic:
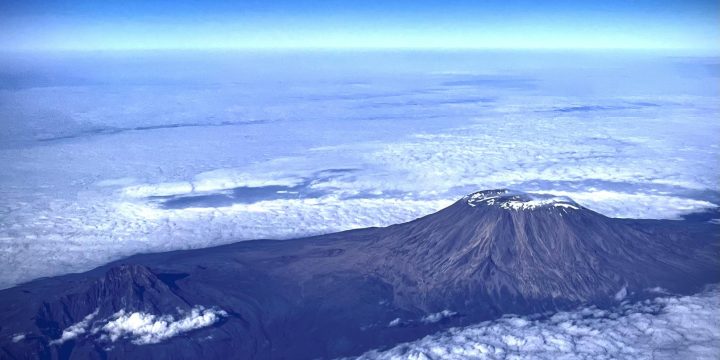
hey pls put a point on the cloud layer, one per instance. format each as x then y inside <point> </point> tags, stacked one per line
<point>686,327</point>
<point>142,164</point>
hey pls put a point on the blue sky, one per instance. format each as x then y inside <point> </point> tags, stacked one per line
<point>184,24</point>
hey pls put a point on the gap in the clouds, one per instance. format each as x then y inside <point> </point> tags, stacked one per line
<point>513,82</point>
<point>429,102</point>
<point>239,195</point>
<point>252,194</point>
<point>593,108</point>
<point>106,130</point>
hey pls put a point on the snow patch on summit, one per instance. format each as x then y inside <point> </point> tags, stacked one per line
<point>533,204</point>
<point>511,200</point>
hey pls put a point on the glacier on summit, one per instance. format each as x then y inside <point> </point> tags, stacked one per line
<point>512,200</point>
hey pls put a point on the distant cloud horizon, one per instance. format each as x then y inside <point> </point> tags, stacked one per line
<point>185,24</point>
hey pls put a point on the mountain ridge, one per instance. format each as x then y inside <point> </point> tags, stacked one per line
<point>341,294</point>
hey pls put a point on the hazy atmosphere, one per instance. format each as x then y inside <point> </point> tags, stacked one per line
<point>395,24</point>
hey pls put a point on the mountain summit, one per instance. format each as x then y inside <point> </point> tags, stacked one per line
<point>513,200</point>
<point>491,253</point>
<point>514,252</point>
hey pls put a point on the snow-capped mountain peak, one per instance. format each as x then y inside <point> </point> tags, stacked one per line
<point>491,253</point>
<point>515,200</point>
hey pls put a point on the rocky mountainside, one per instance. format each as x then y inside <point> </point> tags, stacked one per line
<point>491,253</point>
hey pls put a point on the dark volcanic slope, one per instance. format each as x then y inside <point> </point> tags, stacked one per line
<point>491,253</point>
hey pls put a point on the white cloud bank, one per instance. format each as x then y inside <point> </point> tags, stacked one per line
<point>139,327</point>
<point>410,145</point>
<point>143,328</point>
<point>638,166</point>
<point>686,327</point>
<point>75,330</point>
<point>438,316</point>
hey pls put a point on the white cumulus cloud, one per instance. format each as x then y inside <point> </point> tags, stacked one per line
<point>143,328</point>
<point>671,327</point>
<point>75,330</point>
<point>438,316</point>
<point>140,328</point>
